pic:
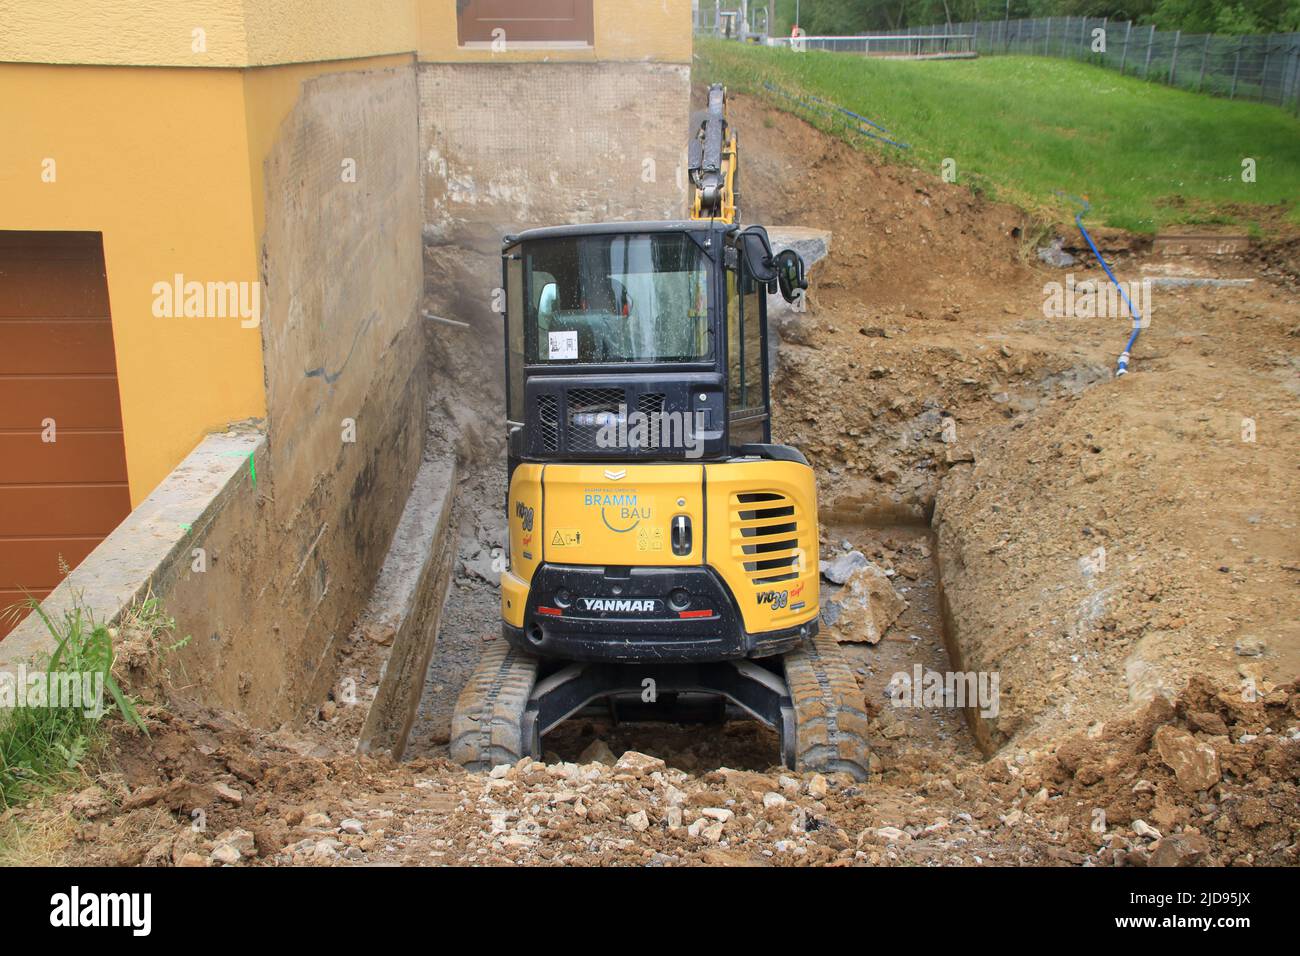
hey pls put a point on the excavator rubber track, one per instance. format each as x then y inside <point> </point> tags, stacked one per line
<point>487,727</point>
<point>817,710</point>
<point>830,721</point>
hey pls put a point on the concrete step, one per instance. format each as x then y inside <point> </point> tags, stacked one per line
<point>405,607</point>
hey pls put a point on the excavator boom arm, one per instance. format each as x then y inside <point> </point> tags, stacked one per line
<point>711,159</point>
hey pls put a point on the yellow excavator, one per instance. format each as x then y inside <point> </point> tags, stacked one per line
<point>663,553</point>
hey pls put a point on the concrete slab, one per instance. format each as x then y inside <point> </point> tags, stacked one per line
<point>1201,242</point>
<point>407,601</point>
<point>813,245</point>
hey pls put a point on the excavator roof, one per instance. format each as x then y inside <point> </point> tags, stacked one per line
<point>617,228</point>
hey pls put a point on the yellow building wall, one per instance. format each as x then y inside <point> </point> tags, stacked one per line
<point>235,33</point>
<point>157,161</point>
<point>301,31</point>
<point>653,30</point>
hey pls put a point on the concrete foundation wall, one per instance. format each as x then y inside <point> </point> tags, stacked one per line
<point>345,387</point>
<point>513,145</point>
<point>345,383</point>
<point>508,146</point>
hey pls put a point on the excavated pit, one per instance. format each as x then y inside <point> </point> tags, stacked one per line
<point>924,369</point>
<point>885,533</point>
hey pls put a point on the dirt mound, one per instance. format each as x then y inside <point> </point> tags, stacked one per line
<point>200,780</point>
<point>1281,259</point>
<point>1115,543</point>
<point>900,236</point>
<point>1212,779</point>
<point>1101,540</point>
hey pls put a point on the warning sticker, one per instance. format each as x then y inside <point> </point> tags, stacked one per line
<point>564,345</point>
<point>563,538</point>
<point>650,539</point>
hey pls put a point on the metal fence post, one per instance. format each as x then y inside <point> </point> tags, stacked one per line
<point>1047,40</point>
<point>1124,56</point>
<point>1263,71</point>
<point>1173,64</point>
<point>1205,54</point>
<point>1295,76</point>
<point>1146,67</point>
<point>1284,77</point>
<point>1236,68</point>
<point>1295,87</point>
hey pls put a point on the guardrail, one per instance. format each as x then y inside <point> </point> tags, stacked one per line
<point>886,44</point>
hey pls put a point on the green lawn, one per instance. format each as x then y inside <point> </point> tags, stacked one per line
<point>1022,128</point>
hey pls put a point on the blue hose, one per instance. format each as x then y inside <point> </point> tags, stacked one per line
<point>816,104</point>
<point>1121,367</point>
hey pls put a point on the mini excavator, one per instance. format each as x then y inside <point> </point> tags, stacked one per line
<point>663,552</point>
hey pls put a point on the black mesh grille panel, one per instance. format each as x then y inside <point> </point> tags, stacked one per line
<point>548,416</point>
<point>651,403</point>
<point>590,409</point>
<point>581,422</point>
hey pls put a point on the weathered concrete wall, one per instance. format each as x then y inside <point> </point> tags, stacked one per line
<point>345,387</point>
<point>508,146</point>
<point>514,145</point>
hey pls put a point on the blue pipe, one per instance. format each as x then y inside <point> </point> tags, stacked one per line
<point>1121,367</point>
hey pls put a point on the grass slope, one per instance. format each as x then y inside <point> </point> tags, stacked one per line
<point>1019,127</point>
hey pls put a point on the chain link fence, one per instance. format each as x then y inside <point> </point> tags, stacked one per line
<point>1264,68</point>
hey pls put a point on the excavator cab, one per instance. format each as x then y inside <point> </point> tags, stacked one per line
<point>639,341</point>
<point>662,550</point>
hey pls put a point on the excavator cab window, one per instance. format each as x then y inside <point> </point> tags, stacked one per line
<point>514,340</point>
<point>616,299</point>
<point>747,391</point>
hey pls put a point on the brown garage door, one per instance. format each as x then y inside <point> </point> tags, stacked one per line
<point>526,20</point>
<point>58,379</point>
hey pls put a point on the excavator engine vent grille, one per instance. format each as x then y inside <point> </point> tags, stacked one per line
<point>651,403</point>
<point>768,535</point>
